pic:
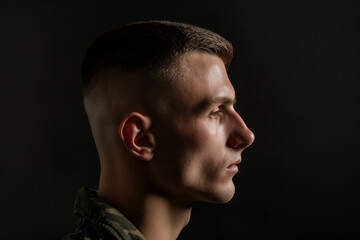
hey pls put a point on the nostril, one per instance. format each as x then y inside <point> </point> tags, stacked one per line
<point>232,142</point>
<point>235,142</point>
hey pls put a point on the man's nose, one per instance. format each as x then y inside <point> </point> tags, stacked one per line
<point>241,137</point>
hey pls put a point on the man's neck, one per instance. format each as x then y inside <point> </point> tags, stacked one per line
<point>162,219</point>
<point>157,217</point>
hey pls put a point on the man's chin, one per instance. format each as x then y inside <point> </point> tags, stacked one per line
<point>221,196</point>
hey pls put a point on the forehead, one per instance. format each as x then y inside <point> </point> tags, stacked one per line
<point>204,78</point>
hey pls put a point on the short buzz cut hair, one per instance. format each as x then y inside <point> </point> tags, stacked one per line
<point>149,46</point>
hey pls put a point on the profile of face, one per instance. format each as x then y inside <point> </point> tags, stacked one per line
<point>197,151</point>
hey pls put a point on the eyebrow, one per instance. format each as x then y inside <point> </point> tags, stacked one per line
<point>206,104</point>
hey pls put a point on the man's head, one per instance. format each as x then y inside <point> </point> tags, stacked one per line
<point>143,58</point>
<point>160,106</point>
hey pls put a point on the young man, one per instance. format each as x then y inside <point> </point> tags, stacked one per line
<point>160,107</point>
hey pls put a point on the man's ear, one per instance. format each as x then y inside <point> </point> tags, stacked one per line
<point>135,134</point>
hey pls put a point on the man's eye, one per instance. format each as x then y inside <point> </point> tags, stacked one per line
<point>216,114</point>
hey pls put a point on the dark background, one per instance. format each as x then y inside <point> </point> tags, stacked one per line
<point>296,73</point>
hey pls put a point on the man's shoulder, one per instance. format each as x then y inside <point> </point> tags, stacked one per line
<point>91,232</point>
<point>99,220</point>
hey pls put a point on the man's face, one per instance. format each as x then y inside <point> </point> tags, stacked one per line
<point>197,151</point>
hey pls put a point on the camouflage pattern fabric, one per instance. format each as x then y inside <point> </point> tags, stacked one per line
<point>100,221</point>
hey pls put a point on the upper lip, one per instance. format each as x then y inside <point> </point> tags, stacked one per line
<point>236,162</point>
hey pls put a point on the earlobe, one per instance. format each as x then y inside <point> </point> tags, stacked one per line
<point>135,133</point>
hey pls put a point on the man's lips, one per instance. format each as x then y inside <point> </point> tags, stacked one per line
<point>233,166</point>
<point>235,163</point>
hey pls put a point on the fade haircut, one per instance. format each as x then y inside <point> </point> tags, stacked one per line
<point>150,47</point>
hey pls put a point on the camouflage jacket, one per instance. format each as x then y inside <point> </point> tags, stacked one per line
<point>100,221</point>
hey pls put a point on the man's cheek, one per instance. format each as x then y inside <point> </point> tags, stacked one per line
<point>210,128</point>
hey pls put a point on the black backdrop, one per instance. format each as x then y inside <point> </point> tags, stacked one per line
<point>296,73</point>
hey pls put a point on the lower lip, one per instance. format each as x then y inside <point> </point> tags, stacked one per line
<point>233,168</point>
